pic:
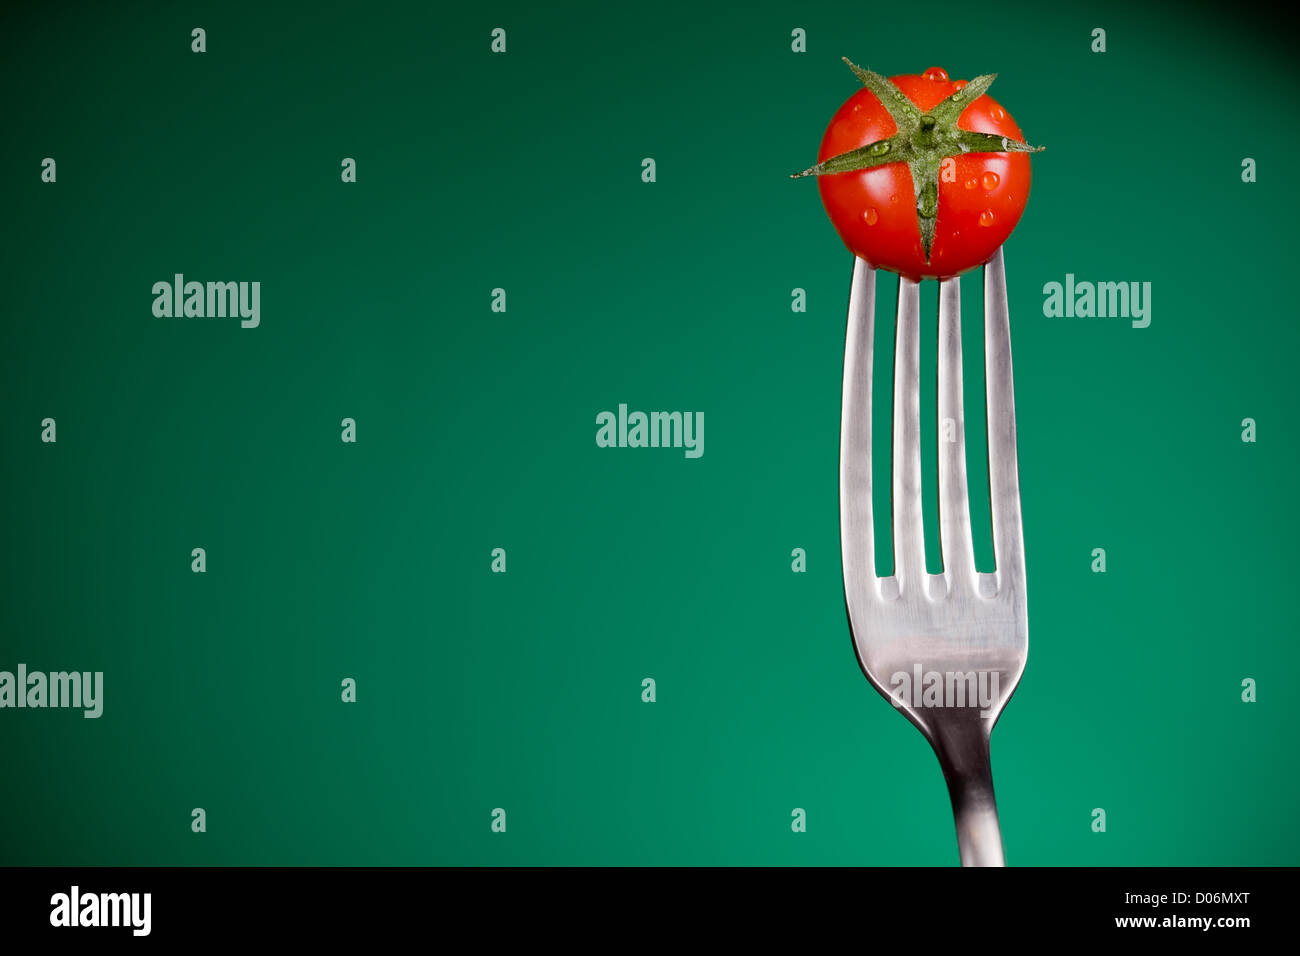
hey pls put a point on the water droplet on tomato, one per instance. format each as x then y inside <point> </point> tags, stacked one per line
<point>986,217</point>
<point>959,84</point>
<point>999,114</point>
<point>990,180</point>
<point>869,216</point>
<point>893,198</point>
<point>857,107</point>
<point>935,73</point>
<point>972,183</point>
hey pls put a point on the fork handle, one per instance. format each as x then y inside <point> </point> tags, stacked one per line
<point>979,838</point>
<point>964,755</point>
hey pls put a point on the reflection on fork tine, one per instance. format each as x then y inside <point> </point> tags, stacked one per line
<point>856,516</point>
<point>909,538</point>
<point>1004,481</point>
<point>954,505</point>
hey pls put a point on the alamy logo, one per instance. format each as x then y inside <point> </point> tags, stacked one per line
<point>56,689</point>
<point>198,300</point>
<point>945,689</point>
<point>102,909</point>
<point>653,430</point>
<point>1119,300</point>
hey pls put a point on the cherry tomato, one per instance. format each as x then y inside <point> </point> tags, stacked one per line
<point>981,195</point>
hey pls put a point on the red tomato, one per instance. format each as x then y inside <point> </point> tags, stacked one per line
<point>980,195</point>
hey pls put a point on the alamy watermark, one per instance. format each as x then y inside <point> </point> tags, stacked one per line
<point>198,300</point>
<point>651,430</point>
<point>82,689</point>
<point>1103,300</point>
<point>922,688</point>
<point>76,908</point>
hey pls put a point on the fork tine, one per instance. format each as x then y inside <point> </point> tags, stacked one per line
<point>1004,481</point>
<point>857,537</point>
<point>909,535</point>
<point>954,505</point>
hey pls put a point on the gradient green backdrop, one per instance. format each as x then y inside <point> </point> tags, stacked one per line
<point>476,430</point>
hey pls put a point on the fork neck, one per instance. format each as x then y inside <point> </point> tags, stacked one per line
<point>963,751</point>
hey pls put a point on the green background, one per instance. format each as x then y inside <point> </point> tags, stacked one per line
<point>476,430</point>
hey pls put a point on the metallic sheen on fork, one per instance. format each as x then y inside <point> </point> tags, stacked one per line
<point>960,622</point>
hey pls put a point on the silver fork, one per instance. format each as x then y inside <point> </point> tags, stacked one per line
<point>961,622</point>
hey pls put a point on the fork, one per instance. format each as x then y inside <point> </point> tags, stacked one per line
<point>961,622</point>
